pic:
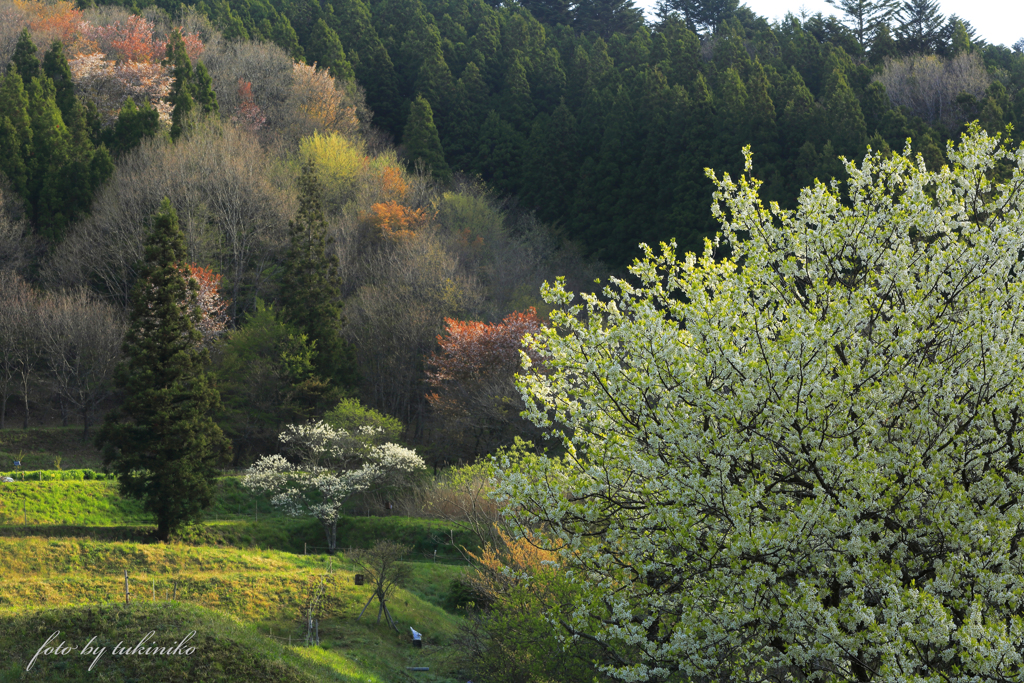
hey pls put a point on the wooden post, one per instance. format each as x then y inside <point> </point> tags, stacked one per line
<point>126,586</point>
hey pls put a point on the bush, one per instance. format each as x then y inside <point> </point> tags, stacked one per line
<point>56,475</point>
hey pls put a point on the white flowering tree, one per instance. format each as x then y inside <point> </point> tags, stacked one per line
<point>324,467</point>
<point>801,461</point>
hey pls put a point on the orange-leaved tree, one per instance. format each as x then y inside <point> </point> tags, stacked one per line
<point>394,221</point>
<point>473,376</point>
<point>213,315</point>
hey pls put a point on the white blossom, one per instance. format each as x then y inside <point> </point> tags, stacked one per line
<point>799,461</point>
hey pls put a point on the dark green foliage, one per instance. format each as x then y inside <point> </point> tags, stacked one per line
<point>163,443</point>
<point>920,27</point>
<point>422,141</point>
<point>16,131</point>
<point>326,51</point>
<point>133,125</point>
<point>50,156</point>
<point>866,17</point>
<point>704,15</point>
<point>883,45</point>
<point>311,286</point>
<point>266,375</point>
<point>606,17</point>
<point>844,116</point>
<point>202,90</point>
<point>285,37</point>
<point>551,148</point>
<point>652,106</point>
<point>180,96</point>
<point>55,65</point>
<point>24,59</point>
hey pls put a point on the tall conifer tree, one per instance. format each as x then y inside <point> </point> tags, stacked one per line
<point>422,141</point>
<point>163,443</point>
<point>180,96</point>
<point>24,58</point>
<point>311,291</point>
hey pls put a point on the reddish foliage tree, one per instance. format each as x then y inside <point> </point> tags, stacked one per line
<point>470,348</point>
<point>473,377</point>
<point>60,20</point>
<point>213,316</point>
<point>249,113</point>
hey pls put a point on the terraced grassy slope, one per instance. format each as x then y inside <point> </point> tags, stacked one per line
<point>235,573</point>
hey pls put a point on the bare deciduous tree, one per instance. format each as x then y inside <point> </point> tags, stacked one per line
<point>928,85</point>
<point>232,204</point>
<point>81,339</point>
<point>19,347</point>
<point>381,566</point>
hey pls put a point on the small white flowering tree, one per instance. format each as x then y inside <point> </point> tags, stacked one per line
<point>325,466</point>
<point>799,462</point>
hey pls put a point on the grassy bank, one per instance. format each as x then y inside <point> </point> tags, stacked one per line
<point>242,572</point>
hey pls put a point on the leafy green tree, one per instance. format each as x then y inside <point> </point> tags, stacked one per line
<point>499,153</point>
<point>436,85</point>
<point>266,374</point>
<point>551,149</point>
<point>882,45</point>
<point>162,442</point>
<point>961,41</point>
<point>371,62</point>
<point>606,17</point>
<point>25,61</point>
<point>421,139</point>
<point>812,479</point>
<point>551,12</point>
<point>311,285</point>
<point>51,151</point>
<point>350,415</point>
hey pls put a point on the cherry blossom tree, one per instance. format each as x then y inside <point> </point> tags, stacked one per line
<point>799,461</point>
<point>323,466</point>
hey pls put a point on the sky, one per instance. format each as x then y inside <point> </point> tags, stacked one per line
<point>997,21</point>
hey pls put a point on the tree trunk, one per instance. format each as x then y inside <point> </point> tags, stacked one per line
<point>163,530</point>
<point>331,529</point>
<point>3,412</point>
<point>24,424</point>
<point>85,422</point>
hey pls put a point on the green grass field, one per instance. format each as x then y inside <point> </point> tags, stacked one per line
<point>239,579</point>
